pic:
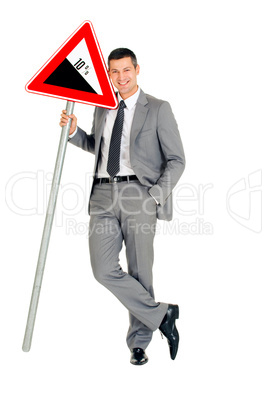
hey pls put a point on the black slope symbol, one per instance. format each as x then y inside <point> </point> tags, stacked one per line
<point>66,76</point>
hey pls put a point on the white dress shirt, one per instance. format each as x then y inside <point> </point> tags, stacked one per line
<point>125,165</point>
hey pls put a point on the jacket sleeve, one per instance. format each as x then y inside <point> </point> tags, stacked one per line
<point>83,140</point>
<point>172,149</point>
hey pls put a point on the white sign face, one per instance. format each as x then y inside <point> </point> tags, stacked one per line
<point>80,59</point>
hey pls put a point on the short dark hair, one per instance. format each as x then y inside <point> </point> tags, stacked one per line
<point>120,53</point>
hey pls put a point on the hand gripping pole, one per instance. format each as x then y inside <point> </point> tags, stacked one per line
<point>47,231</point>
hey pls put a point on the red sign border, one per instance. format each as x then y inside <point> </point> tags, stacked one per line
<point>107,100</point>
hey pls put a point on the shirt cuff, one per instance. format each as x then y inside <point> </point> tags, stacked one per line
<point>156,192</point>
<point>156,201</point>
<point>73,134</point>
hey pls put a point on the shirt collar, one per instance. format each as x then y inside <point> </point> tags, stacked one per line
<point>131,101</point>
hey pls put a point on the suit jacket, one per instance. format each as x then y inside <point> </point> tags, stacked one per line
<point>156,151</point>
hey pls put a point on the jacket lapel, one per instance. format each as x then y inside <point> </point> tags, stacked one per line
<point>99,127</point>
<point>139,117</point>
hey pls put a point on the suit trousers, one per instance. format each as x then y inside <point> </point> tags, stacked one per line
<point>125,212</point>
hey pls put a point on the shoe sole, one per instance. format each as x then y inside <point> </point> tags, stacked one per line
<point>139,364</point>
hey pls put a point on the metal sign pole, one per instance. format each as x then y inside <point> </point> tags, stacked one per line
<point>47,232</point>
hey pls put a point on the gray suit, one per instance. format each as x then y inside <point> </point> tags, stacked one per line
<point>121,211</point>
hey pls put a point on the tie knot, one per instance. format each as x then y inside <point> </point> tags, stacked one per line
<point>122,104</point>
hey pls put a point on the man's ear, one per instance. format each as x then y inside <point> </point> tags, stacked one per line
<point>137,69</point>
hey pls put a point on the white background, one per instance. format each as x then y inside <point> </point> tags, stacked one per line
<point>208,59</point>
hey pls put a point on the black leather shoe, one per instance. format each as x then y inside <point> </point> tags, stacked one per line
<point>168,328</point>
<point>138,357</point>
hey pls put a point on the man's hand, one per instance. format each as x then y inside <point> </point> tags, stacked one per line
<point>64,120</point>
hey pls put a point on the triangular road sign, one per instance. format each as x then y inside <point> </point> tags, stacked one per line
<point>76,72</point>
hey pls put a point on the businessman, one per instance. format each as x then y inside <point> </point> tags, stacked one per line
<point>139,158</point>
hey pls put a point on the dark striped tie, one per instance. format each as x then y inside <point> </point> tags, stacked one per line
<point>113,166</point>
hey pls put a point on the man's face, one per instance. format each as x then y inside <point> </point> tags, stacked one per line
<point>124,76</point>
